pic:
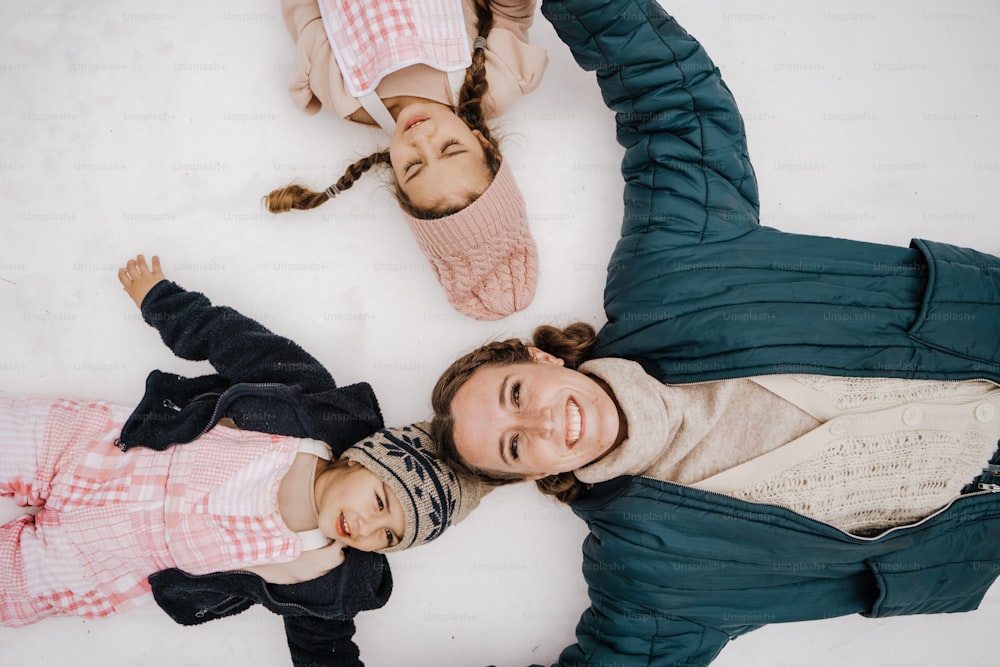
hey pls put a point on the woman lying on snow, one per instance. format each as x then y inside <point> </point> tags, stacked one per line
<point>770,427</point>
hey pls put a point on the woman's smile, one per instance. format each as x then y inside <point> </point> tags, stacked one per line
<point>574,423</point>
<point>534,418</point>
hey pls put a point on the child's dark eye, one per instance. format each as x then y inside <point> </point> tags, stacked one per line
<point>381,505</point>
<point>388,537</point>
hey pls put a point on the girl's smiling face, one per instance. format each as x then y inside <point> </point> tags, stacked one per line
<point>533,419</point>
<point>437,160</point>
<point>357,509</point>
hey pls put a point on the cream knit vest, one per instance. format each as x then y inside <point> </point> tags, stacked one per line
<point>862,454</point>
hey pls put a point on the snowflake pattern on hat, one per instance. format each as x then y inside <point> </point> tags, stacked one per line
<point>432,495</point>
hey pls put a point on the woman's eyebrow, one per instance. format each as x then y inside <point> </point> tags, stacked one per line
<point>503,391</point>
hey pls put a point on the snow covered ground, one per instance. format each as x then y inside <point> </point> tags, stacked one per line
<point>153,127</point>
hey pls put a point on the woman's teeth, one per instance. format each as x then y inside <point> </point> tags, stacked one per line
<point>573,422</point>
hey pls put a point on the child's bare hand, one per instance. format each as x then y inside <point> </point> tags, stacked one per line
<point>138,279</point>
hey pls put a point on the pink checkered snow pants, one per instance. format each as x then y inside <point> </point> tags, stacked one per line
<point>46,568</point>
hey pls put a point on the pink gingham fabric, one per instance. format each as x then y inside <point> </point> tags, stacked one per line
<point>373,39</point>
<point>109,518</point>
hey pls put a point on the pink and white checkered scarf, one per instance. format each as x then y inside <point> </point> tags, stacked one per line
<point>373,39</point>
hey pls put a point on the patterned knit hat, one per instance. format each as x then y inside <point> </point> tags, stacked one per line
<point>432,495</point>
<point>484,255</point>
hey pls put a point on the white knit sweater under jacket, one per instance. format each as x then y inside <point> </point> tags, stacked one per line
<point>862,454</point>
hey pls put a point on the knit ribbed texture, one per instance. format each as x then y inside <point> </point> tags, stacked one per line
<point>870,393</point>
<point>484,256</point>
<point>432,495</point>
<point>866,484</point>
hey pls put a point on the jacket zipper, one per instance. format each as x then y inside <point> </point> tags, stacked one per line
<point>226,394</point>
<point>293,605</point>
<point>167,403</point>
<point>201,613</point>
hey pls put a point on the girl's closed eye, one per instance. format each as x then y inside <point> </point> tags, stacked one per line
<point>448,144</point>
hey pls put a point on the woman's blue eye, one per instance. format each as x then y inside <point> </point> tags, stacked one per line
<point>513,448</point>
<point>515,394</point>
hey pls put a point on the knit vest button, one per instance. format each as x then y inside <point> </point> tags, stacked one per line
<point>839,426</point>
<point>985,412</point>
<point>912,416</point>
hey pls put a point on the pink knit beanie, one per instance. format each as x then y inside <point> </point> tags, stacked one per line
<point>484,255</point>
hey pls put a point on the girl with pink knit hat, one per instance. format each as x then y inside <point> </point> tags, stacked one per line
<point>430,73</point>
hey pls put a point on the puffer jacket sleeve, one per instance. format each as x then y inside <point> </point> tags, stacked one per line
<point>687,171</point>
<point>608,634</point>
<point>240,349</point>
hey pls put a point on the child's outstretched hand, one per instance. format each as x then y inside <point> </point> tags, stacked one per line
<point>138,279</point>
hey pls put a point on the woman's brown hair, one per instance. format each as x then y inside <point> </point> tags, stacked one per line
<point>572,344</point>
<point>469,109</point>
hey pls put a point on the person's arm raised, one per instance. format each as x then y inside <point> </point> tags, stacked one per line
<point>240,348</point>
<point>687,171</point>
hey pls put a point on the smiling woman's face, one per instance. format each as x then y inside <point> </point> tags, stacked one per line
<point>438,161</point>
<point>533,419</point>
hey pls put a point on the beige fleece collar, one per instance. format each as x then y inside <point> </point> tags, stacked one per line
<point>649,425</point>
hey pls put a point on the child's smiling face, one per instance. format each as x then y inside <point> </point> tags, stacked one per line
<point>357,509</point>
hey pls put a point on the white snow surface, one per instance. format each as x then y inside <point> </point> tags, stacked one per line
<point>156,127</point>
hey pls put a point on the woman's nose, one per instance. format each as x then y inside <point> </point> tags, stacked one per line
<point>540,422</point>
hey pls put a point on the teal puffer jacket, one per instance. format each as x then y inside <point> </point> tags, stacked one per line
<point>698,290</point>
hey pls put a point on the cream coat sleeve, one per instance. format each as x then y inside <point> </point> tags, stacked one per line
<point>315,81</point>
<point>514,15</point>
<point>514,67</point>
